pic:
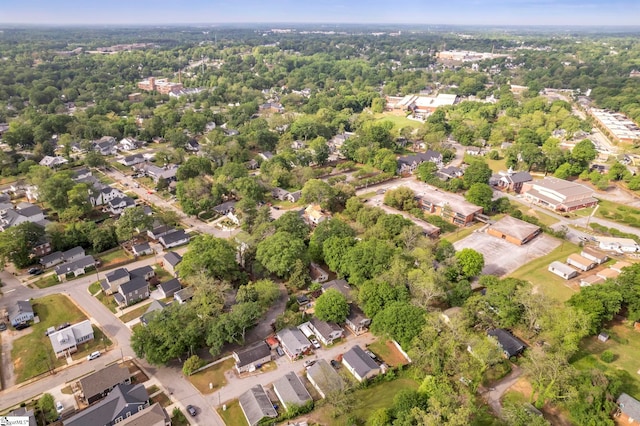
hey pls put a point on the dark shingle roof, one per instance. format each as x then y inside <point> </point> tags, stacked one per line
<point>629,406</point>
<point>104,379</point>
<point>256,405</point>
<point>170,286</point>
<point>359,361</point>
<point>252,353</point>
<point>510,344</point>
<point>113,405</point>
<point>117,274</point>
<point>137,283</point>
<point>172,258</point>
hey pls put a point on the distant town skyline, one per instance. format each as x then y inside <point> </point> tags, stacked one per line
<point>451,12</point>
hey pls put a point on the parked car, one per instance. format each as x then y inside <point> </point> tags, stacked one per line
<point>22,326</point>
<point>38,272</point>
<point>3,326</point>
<point>34,271</point>
<point>371,354</point>
<point>93,355</point>
<point>59,407</point>
<point>315,343</point>
<point>335,364</point>
<point>63,326</point>
<point>308,363</point>
<point>192,410</point>
<point>279,351</point>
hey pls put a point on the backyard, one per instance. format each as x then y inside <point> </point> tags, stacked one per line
<point>135,313</point>
<point>386,351</point>
<point>214,375</point>
<point>233,415</point>
<point>113,257</point>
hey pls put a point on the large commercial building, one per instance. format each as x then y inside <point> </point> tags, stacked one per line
<point>162,85</point>
<point>451,207</point>
<point>618,126</point>
<point>558,194</point>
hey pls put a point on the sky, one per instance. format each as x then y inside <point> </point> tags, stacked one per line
<point>450,12</point>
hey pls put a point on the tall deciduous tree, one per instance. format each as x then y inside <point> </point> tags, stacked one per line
<point>279,252</point>
<point>470,262</point>
<point>211,256</point>
<point>332,306</point>
<point>130,220</point>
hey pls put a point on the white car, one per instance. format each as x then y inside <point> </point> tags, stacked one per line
<point>315,343</point>
<point>59,407</point>
<point>93,355</point>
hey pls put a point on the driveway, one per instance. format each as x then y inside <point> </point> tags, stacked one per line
<point>494,394</point>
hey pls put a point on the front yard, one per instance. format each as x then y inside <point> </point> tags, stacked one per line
<point>233,415</point>
<point>135,313</point>
<point>214,375</point>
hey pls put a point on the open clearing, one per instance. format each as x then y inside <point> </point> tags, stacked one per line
<point>501,257</point>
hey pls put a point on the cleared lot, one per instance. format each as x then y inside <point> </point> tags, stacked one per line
<point>501,257</point>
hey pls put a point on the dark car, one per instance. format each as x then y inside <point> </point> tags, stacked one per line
<point>38,272</point>
<point>192,410</point>
<point>3,326</point>
<point>335,364</point>
<point>63,326</point>
<point>34,271</point>
<point>21,326</point>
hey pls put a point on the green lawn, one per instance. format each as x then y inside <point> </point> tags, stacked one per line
<point>108,301</point>
<point>461,233</point>
<point>545,219</point>
<point>32,354</point>
<point>178,418</point>
<point>213,375</point>
<point>115,256</point>
<point>618,213</point>
<point>624,342</point>
<point>399,121</point>
<point>47,281</point>
<point>162,274</point>
<point>536,272</point>
<point>136,313</point>
<point>367,401</point>
<point>233,415</point>
<point>496,165</point>
<point>94,288</point>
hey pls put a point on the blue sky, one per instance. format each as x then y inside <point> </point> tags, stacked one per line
<point>455,12</point>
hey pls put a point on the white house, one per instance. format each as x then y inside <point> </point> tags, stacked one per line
<point>619,245</point>
<point>562,270</point>
<point>580,262</point>
<point>293,342</point>
<point>251,357</point>
<point>66,341</point>
<point>326,332</point>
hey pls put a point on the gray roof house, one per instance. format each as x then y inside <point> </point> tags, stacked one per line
<point>249,358</point>
<point>324,378</point>
<point>158,231</point>
<point>122,402</point>
<point>130,160</point>
<point>256,405</point>
<point>21,312</point>
<point>119,204</point>
<point>562,270</point>
<point>290,390</point>
<point>152,416</point>
<point>73,254</point>
<point>145,272</point>
<point>510,344</point>
<point>184,295</point>
<point>65,342</point>
<point>97,385</point>
<point>141,249</point>
<point>52,259</point>
<point>357,321</point>
<point>170,261</point>
<point>628,409</point>
<point>169,288</point>
<point>361,365</point>
<point>23,412</point>
<point>114,279</point>
<point>341,285</point>
<point>153,309</point>
<point>327,332</point>
<point>77,267</point>
<point>293,341</point>
<point>175,238</point>
<point>132,292</point>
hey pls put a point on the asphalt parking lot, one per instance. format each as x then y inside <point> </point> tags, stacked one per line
<point>501,257</point>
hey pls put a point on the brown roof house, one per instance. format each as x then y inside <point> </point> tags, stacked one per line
<point>594,255</point>
<point>514,230</point>
<point>580,262</point>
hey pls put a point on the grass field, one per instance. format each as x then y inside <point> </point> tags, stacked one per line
<point>136,313</point>
<point>461,233</point>
<point>213,375</point>
<point>108,301</point>
<point>536,272</point>
<point>32,353</point>
<point>115,256</point>
<point>385,350</point>
<point>399,121</point>
<point>366,401</point>
<point>619,213</point>
<point>545,219</point>
<point>233,415</point>
<point>624,342</point>
<point>496,165</point>
<point>47,281</point>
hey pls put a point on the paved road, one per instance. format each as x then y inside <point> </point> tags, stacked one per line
<point>494,395</point>
<point>170,377</point>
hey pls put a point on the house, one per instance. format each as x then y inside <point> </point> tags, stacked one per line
<point>271,107</point>
<point>81,173</point>
<point>97,385</point>
<point>357,321</point>
<point>175,238</point>
<point>590,280</point>
<point>77,267</point>
<point>562,270</point>
<point>42,247</point>
<point>284,195</point>
<point>266,155</point>
<point>152,416</point>
<point>21,312</point>
<point>628,412</point>
<point>296,145</point>
<point>132,292</point>
<point>52,259</point>
<point>256,405</point>
<point>170,261</point>
<point>341,285</point>
<point>129,144</point>
<point>23,412</point>
<point>510,344</point>
<point>121,403</point>
<point>607,274</point>
<point>141,249</point>
<point>106,145</point>
<point>23,212</point>
<point>152,310</point>
<point>408,164</point>
<point>192,145</point>
<point>53,162</point>
<point>291,391</point>
<point>513,181</point>
<point>114,279</point>
<point>169,288</point>
<point>65,342</point>
<point>130,160</point>
<point>594,255</point>
<point>73,254</point>
<point>474,151</point>
<point>580,262</point>
<point>326,332</point>
<point>619,245</point>
<point>156,173</point>
<point>158,231</point>
<point>118,205</point>
<point>318,275</point>
<point>145,272</point>
<point>104,195</point>
<point>252,357</point>
<point>558,194</point>
<point>451,207</point>
<point>450,172</point>
<point>314,214</point>
<point>225,208</point>
<point>514,230</point>
<point>619,266</point>
<point>293,342</point>
<point>361,365</point>
<point>324,378</point>
<point>184,295</point>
